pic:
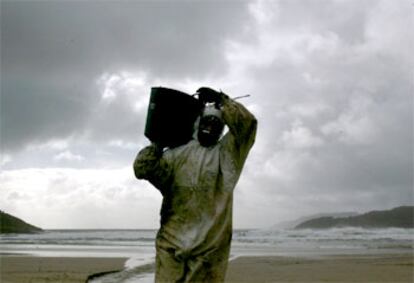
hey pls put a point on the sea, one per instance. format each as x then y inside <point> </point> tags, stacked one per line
<point>138,245</point>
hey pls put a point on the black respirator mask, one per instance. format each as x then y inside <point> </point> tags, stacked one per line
<point>210,129</point>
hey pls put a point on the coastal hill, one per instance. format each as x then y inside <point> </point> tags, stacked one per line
<point>293,223</point>
<point>11,224</point>
<point>399,217</point>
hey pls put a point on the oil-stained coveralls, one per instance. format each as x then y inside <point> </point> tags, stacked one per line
<point>197,184</point>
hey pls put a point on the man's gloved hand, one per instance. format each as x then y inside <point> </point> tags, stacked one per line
<point>209,95</point>
<point>158,149</point>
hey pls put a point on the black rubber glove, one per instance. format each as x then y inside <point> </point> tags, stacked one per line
<point>158,149</point>
<point>209,95</point>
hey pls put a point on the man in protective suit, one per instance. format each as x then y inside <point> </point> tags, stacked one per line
<point>197,181</point>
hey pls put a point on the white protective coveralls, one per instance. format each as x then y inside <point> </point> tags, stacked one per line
<point>197,184</point>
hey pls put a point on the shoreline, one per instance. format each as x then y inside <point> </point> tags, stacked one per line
<point>380,267</point>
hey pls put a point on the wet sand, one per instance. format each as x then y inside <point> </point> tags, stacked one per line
<point>341,268</point>
<point>31,269</point>
<point>345,268</point>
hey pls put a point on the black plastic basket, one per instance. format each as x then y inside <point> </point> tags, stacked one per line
<point>171,116</point>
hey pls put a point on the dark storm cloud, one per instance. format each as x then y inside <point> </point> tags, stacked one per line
<point>53,52</point>
<point>180,37</point>
<point>33,112</point>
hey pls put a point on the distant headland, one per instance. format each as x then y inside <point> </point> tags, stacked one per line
<point>399,217</point>
<point>12,224</point>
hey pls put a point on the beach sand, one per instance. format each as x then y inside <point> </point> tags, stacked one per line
<point>343,268</point>
<point>31,269</point>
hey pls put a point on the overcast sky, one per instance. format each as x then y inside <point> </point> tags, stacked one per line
<point>331,83</point>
